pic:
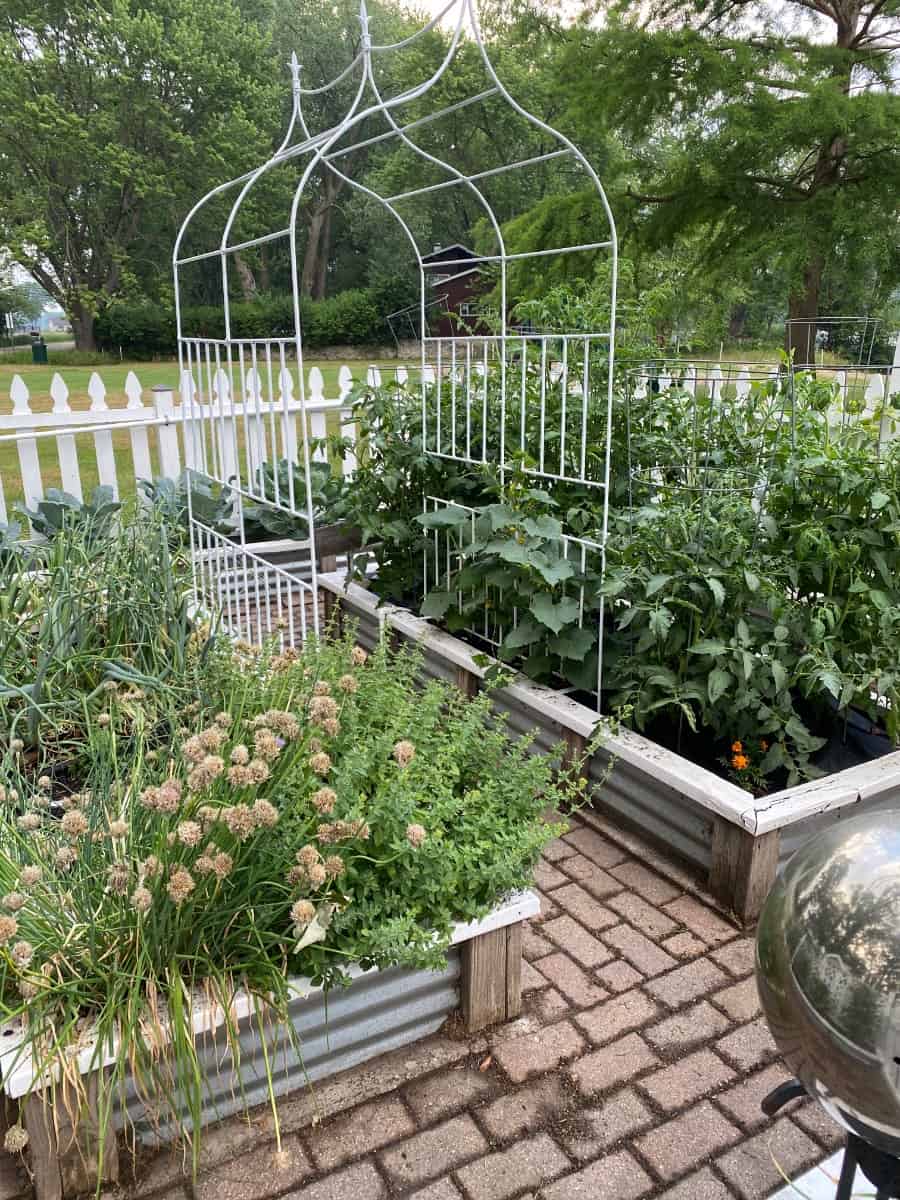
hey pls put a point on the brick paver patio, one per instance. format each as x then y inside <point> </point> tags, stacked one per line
<point>635,1071</point>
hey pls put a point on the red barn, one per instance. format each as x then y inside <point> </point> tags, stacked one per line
<point>455,290</point>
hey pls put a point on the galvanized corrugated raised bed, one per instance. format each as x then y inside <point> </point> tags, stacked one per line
<point>379,1011</point>
<point>735,841</point>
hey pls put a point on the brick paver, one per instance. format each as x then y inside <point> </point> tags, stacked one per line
<point>688,1028</point>
<point>618,1177</point>
<point>682,1143</point>
<point>628,1011</point>
<point>576,941</point>
<point>621,1115</point>
<point>368,1127</point>
<point>434,1152</point>
<point>528,1108</point>
<point>539,1052</point>
<point>634,1072</point>
<point>574,983</point>
<point>750,1168</point>
<point>529,1163</point>
<point>613,1064</point>
<point>689,1079</point>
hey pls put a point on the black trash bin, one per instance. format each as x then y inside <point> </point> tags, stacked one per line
<point>39,351</point>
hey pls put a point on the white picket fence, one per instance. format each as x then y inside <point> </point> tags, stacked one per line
<point>158,440</point>
<point>160,444</point>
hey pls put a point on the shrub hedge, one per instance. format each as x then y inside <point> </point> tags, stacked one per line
<point>145,329</point>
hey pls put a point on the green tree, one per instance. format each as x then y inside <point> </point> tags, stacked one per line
<point>116,117</point>
<point>771,126</point>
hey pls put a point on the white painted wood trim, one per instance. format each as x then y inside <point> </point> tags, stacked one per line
<point>18,1073</point>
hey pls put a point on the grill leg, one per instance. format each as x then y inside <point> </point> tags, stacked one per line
<point>848,1173</point>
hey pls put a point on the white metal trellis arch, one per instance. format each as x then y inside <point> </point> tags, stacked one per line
<point>236,430</point>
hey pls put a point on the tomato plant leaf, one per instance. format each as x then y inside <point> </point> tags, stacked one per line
<point>554,614</point>
<point>718,683</point>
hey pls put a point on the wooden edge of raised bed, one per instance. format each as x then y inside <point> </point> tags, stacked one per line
<point>63,1119</point>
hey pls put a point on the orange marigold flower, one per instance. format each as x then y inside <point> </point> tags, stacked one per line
<point>737,747</point>
<point>740,762</point>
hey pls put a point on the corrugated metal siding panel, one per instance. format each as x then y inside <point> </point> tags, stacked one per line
<point>378,1012</point>
<point>656,810</point>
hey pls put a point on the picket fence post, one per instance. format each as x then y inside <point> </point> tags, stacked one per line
<point>167,434</point>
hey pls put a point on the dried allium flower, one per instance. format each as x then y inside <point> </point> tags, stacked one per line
<point>28,822</point>
<point>17,745</point>
<point>45,783</point>
<point>240,756</point>
<point>211,739</point>
<point>302,912</point>
<point>27,989</point>
<point>22,954</point>
<point>328,832</point>
<point>109,685</point>
<point>152,755</point>
<point>3,795</point>
<point>240,777</point>
<point>322,688</point>
<point>266,814</point>
<point>205,773</point>
<point>13,901</point>
<point>12,796</point>
<point>404,753</point>
<point>284,723</point>
<point>103,720</point>
<point>296,875</point>
<point>180,885</point>
<point>322,708</point>
<point>315,745</point>
<point>317,874</point>
<point>320,763</point>
<point>307,855</point>
<point>222,865</point>
<point>204,865</point>
<point>259,770</point>
<point>150,797</point>
<point>358,656</point>
<point>141,898</point>
<point>348,683</point>
<point>266,744</point>
<point>240,821</point>
<point>416,835</point>
<point>168,796</point>
<point>15,1140</point>
<point>334,866</point>
<point>66,857</point>
<point>117,879</point>
<point>118,829</point>
<point>189,833</point>
<point>332,726</point>
<point>324,800</point>
<point>207,815</point>
<point>74,824</point>
<point>150,866</point>
<point>193,749</point>
<point>223,720</point>
<point>30,876</point>
<point>9,927</point>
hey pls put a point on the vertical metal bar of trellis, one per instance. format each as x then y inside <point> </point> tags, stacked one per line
<point>270,404</point>
<point>437,383</point>
<point>453,397</point>
<point>484,406</point>
<point>584,410</point>
<point>468,381</point>
<point>542,433</point>
<point>564,384</point>
<point>522,414</point>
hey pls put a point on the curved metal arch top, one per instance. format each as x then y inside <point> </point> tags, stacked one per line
<point>324,149</point>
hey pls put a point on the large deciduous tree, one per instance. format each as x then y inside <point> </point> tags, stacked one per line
<point>116,115</point>
<point>779,124</point>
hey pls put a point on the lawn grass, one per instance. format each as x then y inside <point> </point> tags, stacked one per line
<point>150,374</point>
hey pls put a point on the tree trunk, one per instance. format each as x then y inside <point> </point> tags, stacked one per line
<point>803,309</point>
<point>315,259</point>
<point>247,280</point>
<point>82,318</point>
